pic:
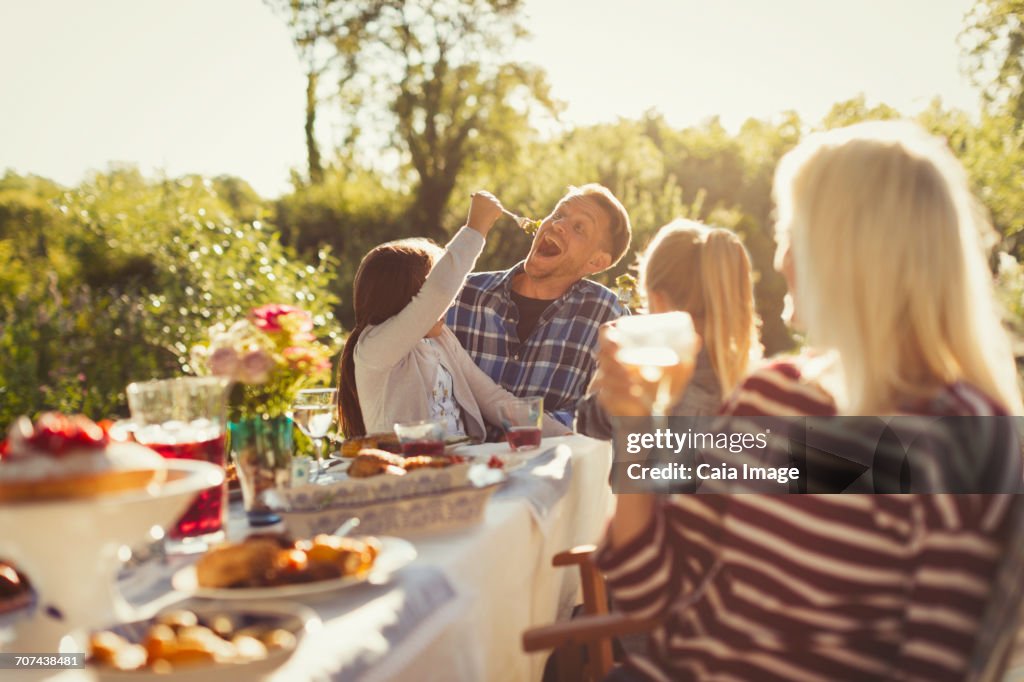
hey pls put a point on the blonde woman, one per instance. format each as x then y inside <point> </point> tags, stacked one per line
<point>880,243</point>
<point>705,272</point>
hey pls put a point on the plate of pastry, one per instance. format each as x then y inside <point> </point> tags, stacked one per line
<point>276,566</point>
<point>202,641</point>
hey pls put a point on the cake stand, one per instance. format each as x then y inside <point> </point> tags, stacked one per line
<point>69,550</point>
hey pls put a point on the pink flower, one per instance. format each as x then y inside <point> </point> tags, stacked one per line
<point>255,367</point>
<point>275,317</point>
<point>223,362</point>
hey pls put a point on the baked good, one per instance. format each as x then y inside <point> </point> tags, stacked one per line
<point>372,462</point>
<point>62,457</point>
<point>183,639</point>
<point>267,561</point>
<point>431,462</point>
<point>350,447</point>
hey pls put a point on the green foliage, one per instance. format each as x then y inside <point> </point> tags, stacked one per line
<point>349,213</point>
<point>993,48</point>
<point>114,280</point>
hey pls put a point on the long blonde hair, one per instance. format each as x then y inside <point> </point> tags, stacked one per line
<point>707,273</point>
<point>890,267</point>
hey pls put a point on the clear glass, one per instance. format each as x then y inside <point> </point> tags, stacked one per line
<point>314,411</point>
<point>661,349</point>
<point>522,419</point>
<point>425,437</point>
<point>184,418</point>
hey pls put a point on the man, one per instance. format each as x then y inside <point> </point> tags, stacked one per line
<point>534,328</point>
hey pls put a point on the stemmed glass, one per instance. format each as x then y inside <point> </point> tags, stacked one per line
<point>661,349</point>
<point>314,410</point>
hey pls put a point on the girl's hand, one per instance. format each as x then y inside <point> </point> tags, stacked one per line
<point>484,211</point>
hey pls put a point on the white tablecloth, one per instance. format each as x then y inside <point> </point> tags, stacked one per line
<point>458,612</point>
<point>504,566</point>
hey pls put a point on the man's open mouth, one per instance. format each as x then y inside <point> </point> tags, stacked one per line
<point>548,247</point>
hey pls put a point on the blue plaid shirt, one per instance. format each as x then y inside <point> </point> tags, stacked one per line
<point>557,360</point>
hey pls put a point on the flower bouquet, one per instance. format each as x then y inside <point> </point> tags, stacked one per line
<point>270,356</point>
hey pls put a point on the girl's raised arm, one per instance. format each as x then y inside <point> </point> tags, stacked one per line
<point>387,343</point>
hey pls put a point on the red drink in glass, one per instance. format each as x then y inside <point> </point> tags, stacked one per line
<point>422,447</point>
<point>523,437</point>
<point>206,515</point>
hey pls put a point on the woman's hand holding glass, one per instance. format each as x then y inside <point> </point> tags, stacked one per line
<point>626,386</point>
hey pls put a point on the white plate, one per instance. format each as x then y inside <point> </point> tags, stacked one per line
<point>394,554</point>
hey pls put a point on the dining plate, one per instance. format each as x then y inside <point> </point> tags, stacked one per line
<point>394,554</point>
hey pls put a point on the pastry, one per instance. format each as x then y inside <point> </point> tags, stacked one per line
<point>372,462</point>
<point>60,457</point>
<point>270,560</point>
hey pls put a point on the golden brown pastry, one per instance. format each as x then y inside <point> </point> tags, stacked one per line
<point>428,462</point>
<point>244,563</point>
<point>370,462</point>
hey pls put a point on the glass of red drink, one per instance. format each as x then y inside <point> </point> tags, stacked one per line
<point>424,437</point>
<point>521,418</point>
<point>184,419</point>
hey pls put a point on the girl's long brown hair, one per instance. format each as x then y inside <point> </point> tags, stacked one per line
<point>388,278</point>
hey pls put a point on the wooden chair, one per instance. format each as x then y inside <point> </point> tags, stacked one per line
<point>583,646</point>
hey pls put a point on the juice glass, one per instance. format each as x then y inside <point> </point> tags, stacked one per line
<point>521,418</point>
<point>184,419</point>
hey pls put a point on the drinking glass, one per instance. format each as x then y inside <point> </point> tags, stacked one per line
<point>661,349</point>
<point>521,418</point>
<point>425,437</point>
<point>314,411</point>
<point>184,419</point>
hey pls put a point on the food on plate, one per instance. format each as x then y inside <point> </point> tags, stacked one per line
<point>15,591</point>
<point>180,639</point>
<point>273,559</point>
<point>388,442</point>
<point>61,456</point>
<point>371,462</point>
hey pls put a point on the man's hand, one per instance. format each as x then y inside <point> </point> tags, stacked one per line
<point>484,211</point>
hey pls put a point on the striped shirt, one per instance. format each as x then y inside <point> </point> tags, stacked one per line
<point>811,587</point>
<point>558,359</point>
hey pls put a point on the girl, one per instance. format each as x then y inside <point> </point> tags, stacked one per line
<point>705,272</point>
<point>400,363</point>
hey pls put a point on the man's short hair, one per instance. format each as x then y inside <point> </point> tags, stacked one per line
<point>619,229</point>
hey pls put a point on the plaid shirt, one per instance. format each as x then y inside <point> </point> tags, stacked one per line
<point>557,360</point>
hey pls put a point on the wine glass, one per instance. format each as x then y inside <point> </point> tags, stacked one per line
<point>661,349</point>
<point>314,411</point>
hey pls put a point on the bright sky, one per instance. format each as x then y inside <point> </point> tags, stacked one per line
<point>213,86</point>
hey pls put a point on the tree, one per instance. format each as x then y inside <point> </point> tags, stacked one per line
<point>330,36</point>
<point>426,78</point>
<point>993,47</point>
<point>453,102</point>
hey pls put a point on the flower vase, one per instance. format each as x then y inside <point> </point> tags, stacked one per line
<point>262,449</point>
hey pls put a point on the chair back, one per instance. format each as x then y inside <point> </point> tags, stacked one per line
<point>1001,619</point>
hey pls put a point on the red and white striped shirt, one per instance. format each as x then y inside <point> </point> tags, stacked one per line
<point>811,587</point>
